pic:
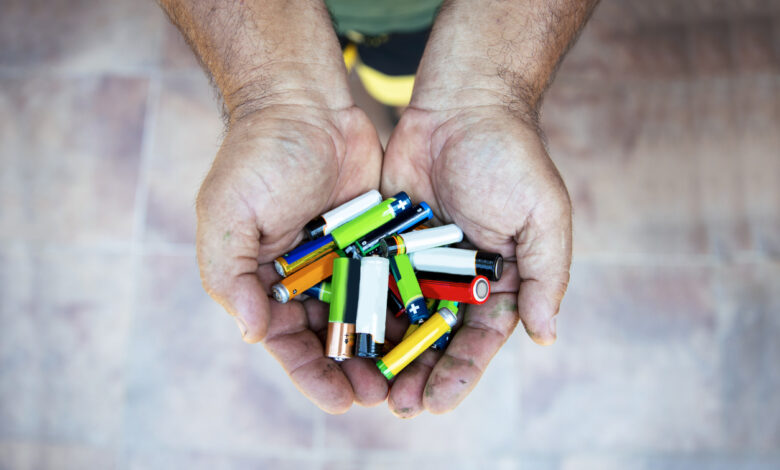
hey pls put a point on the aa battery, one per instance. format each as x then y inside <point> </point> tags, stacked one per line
<point>431,305</point>
<point>340,340</point>
<point>419,240</point>
<point>442,343</point>
<point>321,291</point>
<point>459,261</point>
<point>382,213</point>
<point>372,307</point>
<point>394,302</point>
<point>304,278</point>
<point>464,289</point>
<point>410,329</point>
<point>417,342</point>
<point>342,214</point>
<point>414,303</point>
<point>303,255</point>
<point>404,221</point>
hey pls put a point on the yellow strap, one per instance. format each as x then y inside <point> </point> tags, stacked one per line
<point>350,56</point>
<point>387,89</point>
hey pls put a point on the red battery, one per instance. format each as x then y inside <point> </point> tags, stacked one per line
<point>460,289</point>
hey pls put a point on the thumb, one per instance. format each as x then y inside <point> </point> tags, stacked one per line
<point>407,161</point>
<point>228,244</point>
<point>543,261</point>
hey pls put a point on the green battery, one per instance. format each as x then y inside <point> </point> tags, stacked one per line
<point>322,291</point>
<point>409,288</point>
<point>345,286</point>
<point>385,211</point>
<point>442,343</point>
<point>450,304</point>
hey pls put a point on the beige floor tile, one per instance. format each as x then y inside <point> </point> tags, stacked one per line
<point>70,155</point>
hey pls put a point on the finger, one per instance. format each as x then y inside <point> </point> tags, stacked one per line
<point>509,282</point>
<point>227,248</point>
<point>302,356</point>
<point>395,327</point>
<point>404,167</point>
<point>485,329</point>
<point>406,394</point>
<point>543,261</point>
<point>369,385</point>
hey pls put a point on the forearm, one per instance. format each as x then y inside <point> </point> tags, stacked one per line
<point>507,51</point>
<point>261,52</point>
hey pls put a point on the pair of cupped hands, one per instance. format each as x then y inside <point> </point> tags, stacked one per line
<point>478,164</point>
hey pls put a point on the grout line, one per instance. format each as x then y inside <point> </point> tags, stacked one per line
<point>147,149</point>
<point>136,247</point>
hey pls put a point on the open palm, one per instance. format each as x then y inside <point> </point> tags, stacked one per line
<point>277,169</point>
<point>486,170</point>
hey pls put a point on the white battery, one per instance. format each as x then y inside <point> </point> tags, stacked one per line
<point>349,210</point>
<point>420,240</point>
<point>445,260</point>
<point>372,297</point>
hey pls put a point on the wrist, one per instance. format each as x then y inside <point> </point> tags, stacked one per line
<point>287,83</point>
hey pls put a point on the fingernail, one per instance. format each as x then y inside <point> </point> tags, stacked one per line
<point>241,325</point>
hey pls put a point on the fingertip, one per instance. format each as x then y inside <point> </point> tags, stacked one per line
<point>541,331</point>
<point>368,385</point>
<point>538,313</point>
<point>248,303</point>
<point>324,383</point>
<point>403,412</point>
<point>256,328</point>
<point>338,408</point>
<point>404,405</point>
<point>433,404</point>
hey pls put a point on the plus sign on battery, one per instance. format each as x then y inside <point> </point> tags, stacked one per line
<point>402,204</point>
<point>414,309</point>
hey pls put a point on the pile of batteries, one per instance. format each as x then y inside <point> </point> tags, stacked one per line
<point>367,255</point>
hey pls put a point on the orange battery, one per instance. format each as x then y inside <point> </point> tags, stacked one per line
<point>306,277</point>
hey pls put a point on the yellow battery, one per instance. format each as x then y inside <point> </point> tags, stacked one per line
<point>417,342</point>
<point>411,329</point>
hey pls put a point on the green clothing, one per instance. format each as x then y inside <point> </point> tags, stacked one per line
<point>375,17</point>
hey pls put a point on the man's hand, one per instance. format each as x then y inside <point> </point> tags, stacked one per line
<point>487,171</point>
<point>295,147</point>
<point>469,145</point>
<point>277,169</point>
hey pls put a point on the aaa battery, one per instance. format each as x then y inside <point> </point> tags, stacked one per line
<point>417,342</point>
<point>342,214</point>
<point>404,221</point>
<point>394,302</point>
<point>372,307</point>
<point>459,261</point>
<point>304,254</point>
<point>321,291</point>
<point>458,288</point>
<point>419,240</point>
<point>340,339</point>
<point>442,343</point>
<point>403,273</point>
<point>304,278</point>
<point>382,213</point>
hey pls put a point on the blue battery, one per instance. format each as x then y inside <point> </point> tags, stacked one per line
<point>408,219</point>
<point>302,250</point>
<point>442,343</point>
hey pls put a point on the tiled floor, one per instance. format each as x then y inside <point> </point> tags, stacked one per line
<point>665,122</point>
